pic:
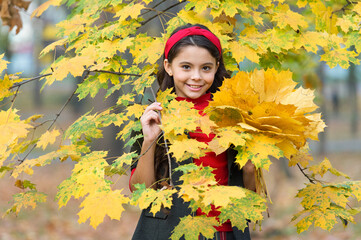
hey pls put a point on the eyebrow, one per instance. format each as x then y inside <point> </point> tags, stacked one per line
<point>185,62</point>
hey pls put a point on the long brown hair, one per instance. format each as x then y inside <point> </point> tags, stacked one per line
<point>166,81</point>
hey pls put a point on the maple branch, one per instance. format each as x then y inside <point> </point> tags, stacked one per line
<point>30,80</point>
<point>303,172</point>
<point>86,74</point>
<point>117,73</point>
<point>161,12</point>
<point>343,9</point>
<point>15,95</point>
<point>149,10</point>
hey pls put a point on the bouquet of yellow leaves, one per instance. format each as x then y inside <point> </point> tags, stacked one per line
<point>262,113</point>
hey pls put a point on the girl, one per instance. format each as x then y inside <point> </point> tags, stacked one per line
<point>193,66</point>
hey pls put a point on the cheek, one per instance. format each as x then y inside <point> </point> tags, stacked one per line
<point>210,79</point>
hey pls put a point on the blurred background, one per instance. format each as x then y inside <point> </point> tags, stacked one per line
<point>338,95</point>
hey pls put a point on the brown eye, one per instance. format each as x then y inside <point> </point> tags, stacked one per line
<point>206,68</point>
<point>186,67</point>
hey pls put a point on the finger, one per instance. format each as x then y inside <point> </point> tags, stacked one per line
<point>149,117</point>
<point>154,107</point>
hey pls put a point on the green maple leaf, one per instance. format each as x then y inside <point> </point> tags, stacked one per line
<point>190,227</point>
<point>240,210</point>
<point>26,199</point>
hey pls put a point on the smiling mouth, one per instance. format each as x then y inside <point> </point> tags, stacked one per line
<point>195,86</point>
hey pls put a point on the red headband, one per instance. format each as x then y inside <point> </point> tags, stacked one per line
<point>191,31</point>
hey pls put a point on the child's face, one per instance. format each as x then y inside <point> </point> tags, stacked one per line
<point>193,71</point>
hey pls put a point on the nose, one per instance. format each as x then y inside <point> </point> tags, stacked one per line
<point>196,75</point>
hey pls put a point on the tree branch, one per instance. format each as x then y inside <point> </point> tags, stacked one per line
<point>149,10</point>
<point>161,12</point>
<point>303,172</point>
<point>86,74</point>
<point>30,80</point>
<point>343,9</point>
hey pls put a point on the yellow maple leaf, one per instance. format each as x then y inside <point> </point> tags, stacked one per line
<point>179,117</point>
<point>302,156</point>
<point>165,96</point>
<point>52,46</point>
<point>206,124</point>
<point>3,63</point>
<point>258,151</point>
<point>195,225</point>
<point>136,110</point>
<point>27,165</point>
<point>189,192</point>
<point>221,195</point>
<point>357,8</point>
<point>126,99</point>
<point>98,204</point>
<point>89,172</point>
<point>147,49</point>
<point>26,199</point>
<point>239,52</point>
<point>130,10</point>
<point>310,40</point>
<point>284,16</point>
<point>47,138</point>
<point>323,196</point>
<point>301,98</point>
<point>13,130</point>
<point>347,23</point>
<point>324,17</point>
<point>5,85</point>
<point>184,148</point>
<point>43,7</point>
<point>164,198</point>
<point>226,137</point>
<point>76,24</point>
<point>323,167</point>
<point>339,56</point>
<point>107,49</point>
<point>74,66</point>
<point>199,178</point>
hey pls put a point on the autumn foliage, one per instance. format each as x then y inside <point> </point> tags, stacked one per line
<point>259,113</point>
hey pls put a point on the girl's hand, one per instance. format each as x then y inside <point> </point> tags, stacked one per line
<point>150,121</point>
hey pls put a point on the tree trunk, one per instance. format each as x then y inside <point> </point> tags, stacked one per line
<point>352,86</point>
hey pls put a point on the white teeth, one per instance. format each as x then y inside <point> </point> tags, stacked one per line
<point>195,86</point>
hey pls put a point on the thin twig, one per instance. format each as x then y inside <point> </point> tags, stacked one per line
<point>166,145</point>
<point>151,9</point>
<point>170,7</point>
<point>303,172</point>
<point>141,155</point>
<point>30,80</point>
<point>343,9</point>
<point>56,116</point>
<point>15,95</point>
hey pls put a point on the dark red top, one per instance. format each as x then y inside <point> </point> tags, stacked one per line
<point>218,162</point>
